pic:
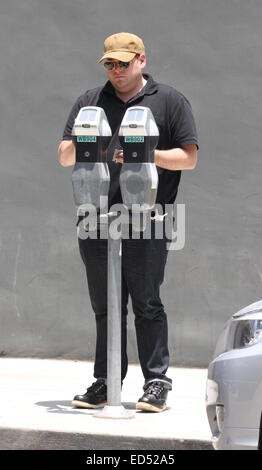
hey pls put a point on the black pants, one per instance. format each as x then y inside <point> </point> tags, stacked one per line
<point>143,266</point>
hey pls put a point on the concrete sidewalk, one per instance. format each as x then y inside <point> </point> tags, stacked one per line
<point>36,412</point>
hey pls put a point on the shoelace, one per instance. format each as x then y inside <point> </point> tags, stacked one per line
<point>96,387</point>
<point>155,388</point>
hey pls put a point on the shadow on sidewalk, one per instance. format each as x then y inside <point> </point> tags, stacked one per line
<point>65,407</point>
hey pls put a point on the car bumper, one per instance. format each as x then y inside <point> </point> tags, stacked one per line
<point>236,439</point>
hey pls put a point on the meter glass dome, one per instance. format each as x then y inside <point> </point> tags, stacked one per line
<point>135,115</point>
<point>88,115</point>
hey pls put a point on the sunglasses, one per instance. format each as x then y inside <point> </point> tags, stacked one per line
<point>112,65</point>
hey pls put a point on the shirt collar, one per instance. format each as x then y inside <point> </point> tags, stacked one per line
<point>150,87</point>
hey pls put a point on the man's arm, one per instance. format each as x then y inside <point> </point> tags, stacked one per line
<point>66,153</point>
<point>184,158</point>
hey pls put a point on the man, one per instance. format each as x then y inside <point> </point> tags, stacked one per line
<point>143,261</point>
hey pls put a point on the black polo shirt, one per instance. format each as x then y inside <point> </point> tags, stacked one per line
<point>174,118</point>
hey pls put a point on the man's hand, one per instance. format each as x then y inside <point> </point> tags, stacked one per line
<point>118,156</point>
<point>67,153</point>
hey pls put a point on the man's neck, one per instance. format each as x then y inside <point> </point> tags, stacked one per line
<point>126,96</point>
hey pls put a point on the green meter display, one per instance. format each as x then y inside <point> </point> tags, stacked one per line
<point>86,138</point>
<point>134,139</point>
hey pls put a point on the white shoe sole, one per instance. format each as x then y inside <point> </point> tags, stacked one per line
<point>81,404</point>
<point>148,407</point>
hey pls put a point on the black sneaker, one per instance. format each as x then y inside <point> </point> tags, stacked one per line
<point>95,396</point>
<point>154,398</point>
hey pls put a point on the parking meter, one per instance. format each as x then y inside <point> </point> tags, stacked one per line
<point>138,136</point>
<point>90,178</point>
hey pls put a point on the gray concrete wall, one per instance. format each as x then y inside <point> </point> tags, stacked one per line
<point>209,50</point>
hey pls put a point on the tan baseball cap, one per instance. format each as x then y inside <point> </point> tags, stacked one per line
<point>122,46</point>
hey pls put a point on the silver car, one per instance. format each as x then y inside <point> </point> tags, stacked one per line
<point>234,383</point>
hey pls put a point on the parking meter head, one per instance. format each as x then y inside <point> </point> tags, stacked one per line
<point>91,134</point>
<point>138,136</point>
<point>91,120</point>
<point>138,120</point>
<point>90,178</point>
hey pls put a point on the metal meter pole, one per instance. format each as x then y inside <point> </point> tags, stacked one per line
<point>114,409</point>
<point>114,321</point>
